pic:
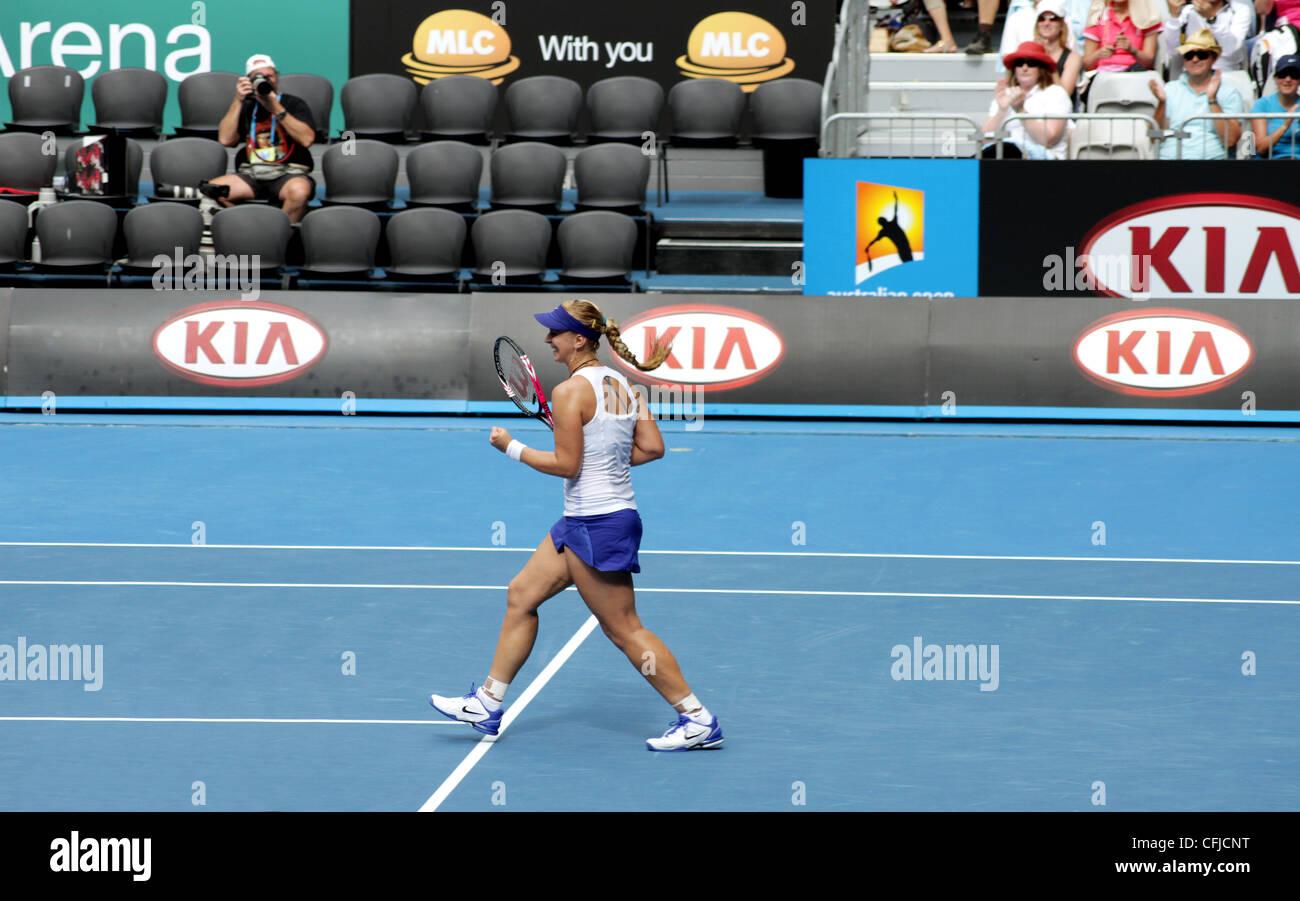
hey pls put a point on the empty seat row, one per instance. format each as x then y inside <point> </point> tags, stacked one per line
<point>461,107</point>
<point>131,100</point>
<point>364,172</point>
<point>339,242</point>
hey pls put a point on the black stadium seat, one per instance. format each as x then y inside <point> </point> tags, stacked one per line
<point>529,174</point>
<point>624,108</point>
<point>23,165</point>
<point>788,109</point>
<point>425,243</point>
<point>317,92</point>
<point>76,236</point>
<point>444,173</point>
<point>543,108</point>
<point>705,112</point>
<point>597,247</point>
<point>161,228</point>
<point>46,98</point>
<point>13,234</point>
<point>339,242</point>
<point>458,107</point>
<point>204,98</point>
<point>612,176</point>
<point>787,127</point>
<point>362,174</point>
<point>379,107</point>
<point>253,229</point>
<point>183,163</point>
<point>129,101</point>
<point>513,244</point>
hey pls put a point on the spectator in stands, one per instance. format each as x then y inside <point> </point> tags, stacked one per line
<point>1021,19</point>
<point>988,12</point>
<point>1198,90</point>
<point>1230,23</point>
<point>1279,139</point>
<point>1121,36</point>
<point>1052,31</point>
<point>1048,24</point>
<point>275,131</point>
<point>1031,88</point>
<point>938,10</point>
<point>1288,11</point>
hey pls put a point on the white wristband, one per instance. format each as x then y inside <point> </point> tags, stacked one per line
<point>516,449</point>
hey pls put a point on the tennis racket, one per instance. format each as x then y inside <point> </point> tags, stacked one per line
<point>520,380</point>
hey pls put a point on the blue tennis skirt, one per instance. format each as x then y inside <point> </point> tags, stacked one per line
<point>608,542</point>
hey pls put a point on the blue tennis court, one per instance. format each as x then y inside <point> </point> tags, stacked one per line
<point>263,604</point>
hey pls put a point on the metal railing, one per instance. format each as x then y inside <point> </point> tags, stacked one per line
<point>1179,133</point>
<point>1153,133</point>
<point>948,142</point>
<point>847,75</point>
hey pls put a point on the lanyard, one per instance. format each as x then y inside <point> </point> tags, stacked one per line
<point>252,133</point>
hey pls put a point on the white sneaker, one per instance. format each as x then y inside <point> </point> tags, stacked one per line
<point>468,709</point>
<point>687,735</point>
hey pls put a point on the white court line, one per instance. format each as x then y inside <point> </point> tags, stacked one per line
<point>684,553</point>
<point>741,591</point>
<point>485,743</point>
<point>218,720</point>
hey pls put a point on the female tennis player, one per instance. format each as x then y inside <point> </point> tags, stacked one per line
<point>601,430</point>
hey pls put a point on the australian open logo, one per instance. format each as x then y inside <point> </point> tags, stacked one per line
<point>891,228</point>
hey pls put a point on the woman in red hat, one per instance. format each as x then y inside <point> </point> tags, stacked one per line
<point>1031,87</point>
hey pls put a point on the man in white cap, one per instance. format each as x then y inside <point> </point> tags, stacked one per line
<point>273,132</point>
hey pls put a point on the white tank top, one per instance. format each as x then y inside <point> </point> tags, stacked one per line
<point>605,482</point>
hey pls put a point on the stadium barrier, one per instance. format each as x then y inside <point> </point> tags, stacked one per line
<point>343,353</point>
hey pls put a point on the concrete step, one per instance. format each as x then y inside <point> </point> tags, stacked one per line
<point>935,67</point>
<point>969,98</point>
<point>704,256</point>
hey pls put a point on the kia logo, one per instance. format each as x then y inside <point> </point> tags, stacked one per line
<point>713,347</point>
<point>1197,245</point>
<point>239,344</point>
<point>1162,353</point>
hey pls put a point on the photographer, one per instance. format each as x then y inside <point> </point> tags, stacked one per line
<point>274,132</point>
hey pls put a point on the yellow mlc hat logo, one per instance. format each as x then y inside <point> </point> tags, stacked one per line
<point>459,42</point>
<point>738,47</point>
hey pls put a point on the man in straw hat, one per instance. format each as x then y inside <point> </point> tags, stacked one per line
<point>1197,91</point>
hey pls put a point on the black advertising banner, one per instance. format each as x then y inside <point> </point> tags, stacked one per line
<point>732,350</point>
<point>1098,357</point>
<point>204,343</point>
<point>1155,233</point>
<point>670,40</point>
<point>1005,353</point>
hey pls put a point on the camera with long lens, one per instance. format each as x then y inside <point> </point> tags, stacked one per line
<point>262,85</point>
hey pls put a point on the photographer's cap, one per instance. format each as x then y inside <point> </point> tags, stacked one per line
<point>258,61</point>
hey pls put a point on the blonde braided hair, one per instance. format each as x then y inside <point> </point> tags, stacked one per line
<point>589,314</point>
